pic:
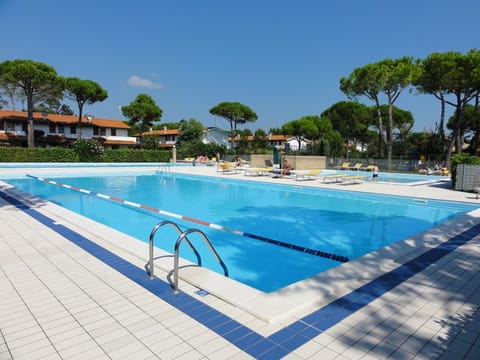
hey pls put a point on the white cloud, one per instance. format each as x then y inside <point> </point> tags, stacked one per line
<point>137,81</point>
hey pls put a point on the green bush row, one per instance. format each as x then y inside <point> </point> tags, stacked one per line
<point>59,154</point>
<point>127,155</point>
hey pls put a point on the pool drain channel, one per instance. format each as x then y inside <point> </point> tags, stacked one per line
<point>303,249</point>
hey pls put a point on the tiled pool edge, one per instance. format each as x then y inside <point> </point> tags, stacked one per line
<point>283,341</point>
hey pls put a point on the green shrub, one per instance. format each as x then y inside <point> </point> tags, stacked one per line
<point>59,154</point>
<point>20,154</point>
<point>89,150</point>
<point>127,155</point>
<point>197,148</point>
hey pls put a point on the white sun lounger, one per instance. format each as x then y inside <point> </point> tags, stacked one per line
<point>334,178</point>
<point>353,179</point>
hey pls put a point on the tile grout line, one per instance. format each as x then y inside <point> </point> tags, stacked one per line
<point>78,287</point>
<point>290,337</point>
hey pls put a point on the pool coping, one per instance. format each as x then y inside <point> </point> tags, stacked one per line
<point>289,303</point>
<point>288,336</point>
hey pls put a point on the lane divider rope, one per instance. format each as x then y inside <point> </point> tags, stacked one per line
<point>303,249</point>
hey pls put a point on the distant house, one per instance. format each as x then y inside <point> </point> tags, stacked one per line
<point>214,135</point>
<point>62,130</point>
<point>293,143</point>
<point>167,138</point>
<point>277,141</point>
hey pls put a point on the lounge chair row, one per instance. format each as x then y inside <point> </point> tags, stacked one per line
<point>232,168</point>
<point>333,178</point>
<point>343,178</point>
<point>258,171</point>
<point>357,166</point>
<point>228,168</point>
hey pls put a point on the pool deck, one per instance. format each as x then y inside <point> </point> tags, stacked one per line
<point>73,289</point>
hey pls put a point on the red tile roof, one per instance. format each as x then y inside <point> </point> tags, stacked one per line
<point>63,119</point>
<point>161,132</point>
<point>268,137</point>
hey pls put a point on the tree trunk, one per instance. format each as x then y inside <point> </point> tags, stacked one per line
<point>476,135</point>
<point>80,114</point>
<point>389,135</point>
<point>460,126</point>
<point>454,139</point>
<point>441,126</point>
<point>448,160</point>
<point>30,130</point>
<point>380,128</point>
<point>233,130</point>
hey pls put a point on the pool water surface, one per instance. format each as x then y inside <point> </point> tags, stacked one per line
<point>339,222</point>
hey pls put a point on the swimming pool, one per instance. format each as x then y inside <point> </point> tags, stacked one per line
<point>334,221</point>
<point>397,178</point>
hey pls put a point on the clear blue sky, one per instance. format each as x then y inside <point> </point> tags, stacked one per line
<point>282,58</point>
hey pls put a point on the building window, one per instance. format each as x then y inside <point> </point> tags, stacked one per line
<point>73,130</point>
<point>51,129</point>
<point>10,127</point>
<point>99,131</point>
<point>113,132</point>
<point>61,129</point>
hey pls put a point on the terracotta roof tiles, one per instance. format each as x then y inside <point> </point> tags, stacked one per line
<point>64,119</point>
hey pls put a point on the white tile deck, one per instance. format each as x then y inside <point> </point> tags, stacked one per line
<point>59,302</point>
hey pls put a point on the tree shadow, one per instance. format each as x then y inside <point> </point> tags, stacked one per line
<point>432,314</point>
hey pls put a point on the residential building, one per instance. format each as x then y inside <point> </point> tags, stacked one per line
<point>62,130</point>
<point>167,138</point>
<point>280,142</point>
<point>214,135</point>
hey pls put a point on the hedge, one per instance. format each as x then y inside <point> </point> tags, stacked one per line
<point>59,154</point>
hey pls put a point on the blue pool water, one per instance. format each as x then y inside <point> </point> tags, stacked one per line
<point>340,222</point>
<point>397,178</point>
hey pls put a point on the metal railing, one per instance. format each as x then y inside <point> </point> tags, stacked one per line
<point>167,168</point>
<point>183,236</point>
<point>150,268</point>
<point>176,254</point>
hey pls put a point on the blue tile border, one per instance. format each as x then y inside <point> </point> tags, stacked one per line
<point>282,342</point>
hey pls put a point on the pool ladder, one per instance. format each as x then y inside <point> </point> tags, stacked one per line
<point>183,236</point>
<point>164,168</point>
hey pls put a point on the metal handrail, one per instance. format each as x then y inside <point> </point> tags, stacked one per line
<point>177,247</point>
<point>150,268</point>
<point>164,168</point>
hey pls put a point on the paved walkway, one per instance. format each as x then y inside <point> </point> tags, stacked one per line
<point>65,294</point>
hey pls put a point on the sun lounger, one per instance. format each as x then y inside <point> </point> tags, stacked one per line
<point>334,178</point>
<point>353,179</point>
<point>367,168</point>
<point>311,175</point>
<point>357,166</point>
<point>227,168</point>
<point>343,166</point>
<point>262,171</point>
